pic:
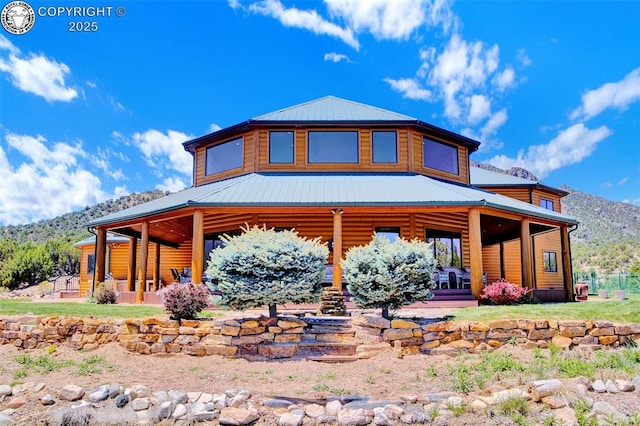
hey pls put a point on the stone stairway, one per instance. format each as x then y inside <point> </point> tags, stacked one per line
<point>328,339</point>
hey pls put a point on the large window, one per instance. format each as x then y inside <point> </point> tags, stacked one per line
<point>391,233</point>
<point>214,241</point>
<point>91,263</point>
<point>280,147</point>
<point>446,247</point>
<point>546,204</point>
<point>223,157</point>
<point>385,147</point>
<point>440,156</point>
<point>333,147</point>
<point>550,261</point>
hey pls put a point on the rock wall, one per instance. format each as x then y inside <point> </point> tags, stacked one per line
<point>289,336</point>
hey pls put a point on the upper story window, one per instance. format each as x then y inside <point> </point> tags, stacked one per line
<point>440,156</point>
<point>223,157</point>
<point>333,147</point>
<point>385,147</point>
<point>281,147</point>
<point>546,203</point>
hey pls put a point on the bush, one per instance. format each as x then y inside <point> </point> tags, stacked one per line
<point>105,295</point>
<point>389,275</point>
<point>502,292</point>
<point>185,301</point>
<point>268,267</point>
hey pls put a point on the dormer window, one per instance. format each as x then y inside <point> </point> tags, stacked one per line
<point>546,204</point>
<point>385,147</point>
<point>333,147</point>
<point>281,146</point>
<point>223,157</point>
<point>440,156</point>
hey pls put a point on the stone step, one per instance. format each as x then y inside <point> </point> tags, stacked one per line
<point>328,320</point>
<point>327,348</point>
<point>333,358</point>
<point>329,329</point>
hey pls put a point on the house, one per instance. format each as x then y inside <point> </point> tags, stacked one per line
<point>342,171</point>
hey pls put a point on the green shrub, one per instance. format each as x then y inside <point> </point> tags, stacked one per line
<point>185,301</point>
<point>268,267</point>
<point>105,294</point>
<point>389,275</point>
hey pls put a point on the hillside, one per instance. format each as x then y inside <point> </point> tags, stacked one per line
<point>73,226</point>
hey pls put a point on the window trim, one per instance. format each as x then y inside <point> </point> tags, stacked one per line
<point>548,253</point>
<point>373,160</point>
<point>435,141</point>
<point>209,148</point>
<point>357,134</point>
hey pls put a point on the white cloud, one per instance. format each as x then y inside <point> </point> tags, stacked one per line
<point>171,184</point>
<point>571,146</point>
<point>524,58</point>
<point>480,108</point>
<point>623,181</point>
<point>305,19</point>
<point>214,128</point>
<point>617,95</point>
<point>409,88</point>
<point>505,79</point>
<point>335,57</point>
<point>36,74</point>
<point>49,180</point>
<point>165,150</point>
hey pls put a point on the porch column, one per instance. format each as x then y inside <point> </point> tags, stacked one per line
<point>475,251</point>
<point>337,249</point>
<point>131,270</point>
<point>101,254</point>
<point>526,253</point>
<point>156,269</point>
<point>197,250</point>
<point>144,258</point>
<point>567,269</point>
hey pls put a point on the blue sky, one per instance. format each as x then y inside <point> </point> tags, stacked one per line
<point>87,116</point>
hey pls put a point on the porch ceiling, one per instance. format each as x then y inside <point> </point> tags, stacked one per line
<point>169,232</point>
<point>498,229</point>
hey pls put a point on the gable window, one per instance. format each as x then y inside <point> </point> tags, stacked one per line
<point>446,247</point>
<point>546,204</point>
<point>223,157</point>
<point>440,156</point>
<point>550,261</point>
<point>391,233</point>
<point>385,147</point>
<point>333,147</point>
<point>281,147</point>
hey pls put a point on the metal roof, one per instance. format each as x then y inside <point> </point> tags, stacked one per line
<point>111,238</point>
<point>331,190</point>
<point>480,176</point>
<point>332,109</point>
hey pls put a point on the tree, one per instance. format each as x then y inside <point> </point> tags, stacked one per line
<point>28,264</point>
<point>268,267</point>
<point>389,275</point>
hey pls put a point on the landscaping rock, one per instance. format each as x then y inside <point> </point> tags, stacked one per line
<point>71,393</point>
<point>236,416</point>
<point>48,399</point>
<point>5,390</point>
<point>100,394</point>
<point>121,400</point>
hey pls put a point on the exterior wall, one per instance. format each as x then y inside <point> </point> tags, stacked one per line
<point>519,193</point>
<point>548,241</point>
<point>537,194</point>
<point>512,262</point>
<point>491,262</point>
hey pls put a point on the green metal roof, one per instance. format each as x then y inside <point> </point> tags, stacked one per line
<point>331,190</point>
<point>111,238</point>
<point>332,109</point>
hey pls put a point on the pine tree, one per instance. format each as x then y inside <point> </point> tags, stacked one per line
<point>389,275</point>
<point>268,267</point>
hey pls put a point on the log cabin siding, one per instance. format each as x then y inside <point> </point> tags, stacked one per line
<point>512,259</point>
<point>519,193</point>
<point>548,241</point>
<point>491,262</point>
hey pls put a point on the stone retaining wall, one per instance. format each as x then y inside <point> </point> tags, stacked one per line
<point>280,338</point>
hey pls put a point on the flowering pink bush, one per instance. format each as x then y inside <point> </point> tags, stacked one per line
<point>185,301</point>
<point>502,292</point>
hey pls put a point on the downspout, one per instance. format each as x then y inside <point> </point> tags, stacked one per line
<point>95,256</point>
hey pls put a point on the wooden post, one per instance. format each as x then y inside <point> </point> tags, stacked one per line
<point>526,253</point>
<point>156,270</point>
<point>475,251</point>
<point>197,250</point>
<point>144,259</point>
<point>567,269</point>
<point>337,249</point>
<point>101,252</point>
<point>131,270</point>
